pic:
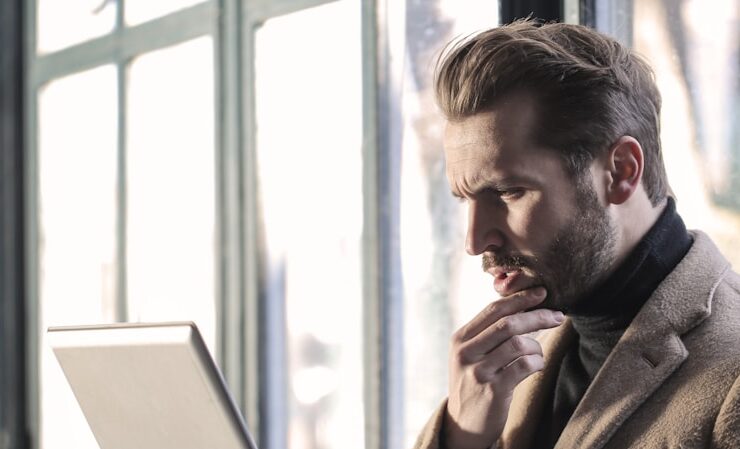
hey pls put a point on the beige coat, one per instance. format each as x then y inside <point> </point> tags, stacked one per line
<point>672,381</point>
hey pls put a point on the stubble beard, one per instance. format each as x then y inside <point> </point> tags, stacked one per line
<point>581,255</point>
<point>578,259</point>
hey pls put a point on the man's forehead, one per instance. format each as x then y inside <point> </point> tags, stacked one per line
<point>473,140</point>
<point>469,133</point>
<point>482,123</point>
<point>510,121</point>
<point>476,159</point>
<point>496,146</point>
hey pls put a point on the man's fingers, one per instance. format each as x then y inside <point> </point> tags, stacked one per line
<point>507,327</point>
<point>518,302</point>
<point>521,368</point>
<point>501,357</point>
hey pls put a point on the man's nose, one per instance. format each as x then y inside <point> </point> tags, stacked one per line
<point>483,232</point>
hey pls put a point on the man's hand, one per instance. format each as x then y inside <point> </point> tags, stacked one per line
<point>489,357</point>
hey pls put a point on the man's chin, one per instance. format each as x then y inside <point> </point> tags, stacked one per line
<point>525,281</point>
<point>552,303</point>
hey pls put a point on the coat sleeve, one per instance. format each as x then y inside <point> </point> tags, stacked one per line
<point>726,434</point>
<point>429,438</point>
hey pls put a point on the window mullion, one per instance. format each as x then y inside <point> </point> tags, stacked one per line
<point>121,306</point>
<point>230,248</point>
<point>31,239</point>
<point>13,396</point>
<point>383,42</point>
<point>125,42</point>
<point>254,375</point>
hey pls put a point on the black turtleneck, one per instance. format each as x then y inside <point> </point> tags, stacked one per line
<point>601,318</point>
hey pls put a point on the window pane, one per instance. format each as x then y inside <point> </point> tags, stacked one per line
<point>77,224</point>
<point>309,137</point>
<point>61,24</point>
<point>138,11</point>
<point>443,286</point>
<point>694,51</point>
<point>171,187</point>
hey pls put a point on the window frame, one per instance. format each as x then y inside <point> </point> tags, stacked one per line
<point>13,399</point>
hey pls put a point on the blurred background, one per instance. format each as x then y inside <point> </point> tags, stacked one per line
<point>273,171</point>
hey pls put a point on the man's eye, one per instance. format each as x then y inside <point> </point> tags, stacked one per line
<point>510,193</point>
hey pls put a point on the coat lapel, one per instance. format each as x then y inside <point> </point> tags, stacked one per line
<point>649,351</point>
<point>633,371</point>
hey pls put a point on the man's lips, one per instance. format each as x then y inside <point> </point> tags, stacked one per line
<point>505,280</point>
<point>501,271</point>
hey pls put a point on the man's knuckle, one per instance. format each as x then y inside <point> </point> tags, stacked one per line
<point>480,374</point>
<point>506,326</point>
<point>493,308</point>
<point>538,347</point>
<point>524,363</point>
<point>457,358</point>
<point>529,363</point>
<point>459,336</point>
<point>517,344</point>
<point>544,316</point>
<point>462,356</point>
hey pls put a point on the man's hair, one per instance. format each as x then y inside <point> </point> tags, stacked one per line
<point>588,89</point>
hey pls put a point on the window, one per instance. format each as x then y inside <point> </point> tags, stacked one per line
<point>77,216</point>
<point>308,109</point>
<point>694,51</point>
<point>122,151</point>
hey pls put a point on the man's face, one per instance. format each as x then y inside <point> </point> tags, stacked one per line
<point>532,222</point>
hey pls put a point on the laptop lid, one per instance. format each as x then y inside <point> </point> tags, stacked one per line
<point>149,386</point>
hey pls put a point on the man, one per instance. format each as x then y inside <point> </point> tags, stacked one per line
<point>552,141</point>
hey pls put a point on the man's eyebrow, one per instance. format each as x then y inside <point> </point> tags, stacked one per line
<point>496,185</point>
<point>504,183</point>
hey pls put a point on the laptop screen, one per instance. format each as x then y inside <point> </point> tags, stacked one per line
<point>149,386</point>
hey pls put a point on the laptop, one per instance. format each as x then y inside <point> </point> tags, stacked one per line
<point>149,386</point>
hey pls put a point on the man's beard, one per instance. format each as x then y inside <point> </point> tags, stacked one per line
<point>578,259</point>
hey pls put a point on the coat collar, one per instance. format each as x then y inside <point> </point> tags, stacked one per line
<point>648,352</point>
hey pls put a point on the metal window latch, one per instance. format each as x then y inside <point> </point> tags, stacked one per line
<point>101,7</point>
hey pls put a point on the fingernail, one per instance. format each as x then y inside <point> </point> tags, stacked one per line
<point>559,317</point>
<point>540,293</point>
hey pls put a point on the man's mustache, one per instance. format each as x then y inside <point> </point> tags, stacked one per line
<point>492,260</point>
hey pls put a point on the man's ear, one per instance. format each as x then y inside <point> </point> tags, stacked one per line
<point>625,167</point>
